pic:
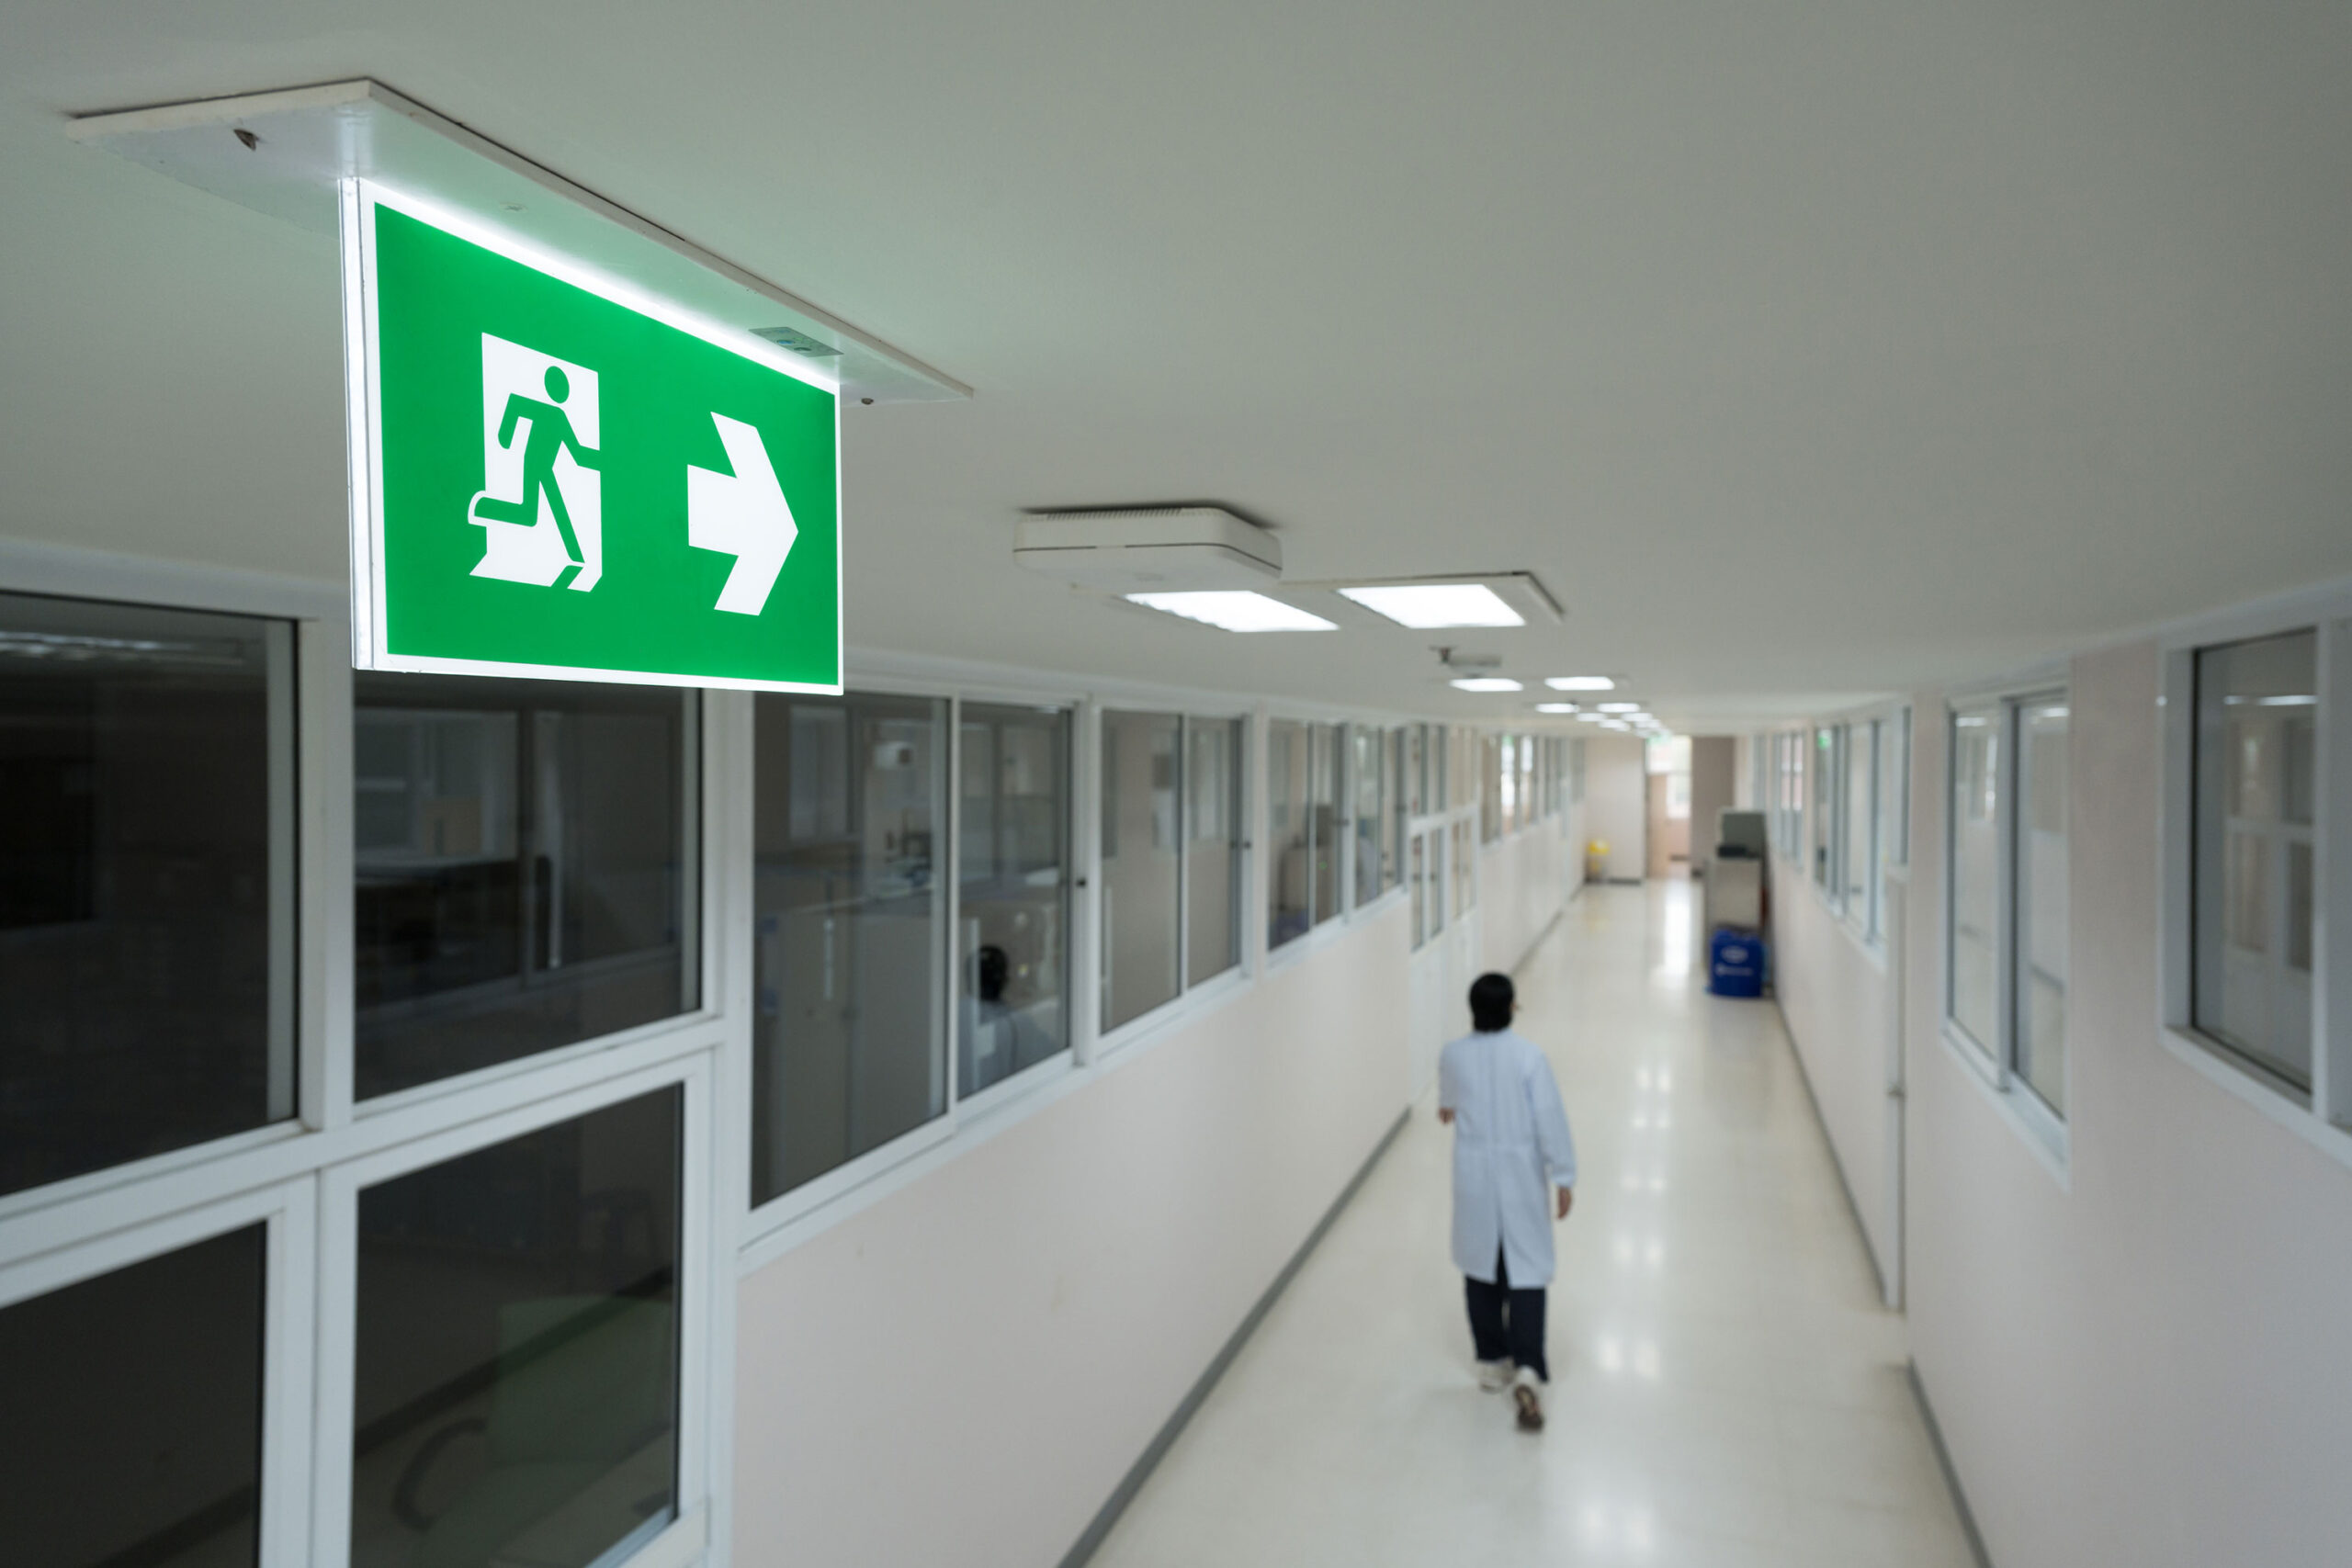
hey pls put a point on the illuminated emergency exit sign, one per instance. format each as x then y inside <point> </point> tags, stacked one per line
<point>553,477</point>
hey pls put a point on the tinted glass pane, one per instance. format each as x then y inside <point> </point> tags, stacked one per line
<point>133,1402</point>
<point>1014,859</point>
<point>1369,778</point>
<point>1861,820</point>
<point>1825,785</point>
<point>1975,979</point>
<point>849,1037</point>
<point>1288,768</point>
<point>1139,864</point>
<point>525,866</point>
<point>2041,900</point>
<point>1212,847</point>
<point>2256,778</point>
<point>146,883</point>
<point>1419,881</point>
<point>1325,742</point>
<point>516,1381</point>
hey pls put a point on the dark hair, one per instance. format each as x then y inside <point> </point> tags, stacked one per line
<point>995,969</point>
<point>1491,1000</point>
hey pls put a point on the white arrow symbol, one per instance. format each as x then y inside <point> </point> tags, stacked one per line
<point>742,514</point>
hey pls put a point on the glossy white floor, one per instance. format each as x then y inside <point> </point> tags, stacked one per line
<point>1726,1388</point>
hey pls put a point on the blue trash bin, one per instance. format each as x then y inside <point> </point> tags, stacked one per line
<point>1736,964</point>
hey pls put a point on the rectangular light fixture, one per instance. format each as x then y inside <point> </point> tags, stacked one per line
<point>1614,724</point>
<point>1234,610</point>
<point>1485,683</point>
<point>1556,707</point>
<point>1428,606</point>
<point>1590,718</point>
<point>1580,683</point>
<point>1621,707</point>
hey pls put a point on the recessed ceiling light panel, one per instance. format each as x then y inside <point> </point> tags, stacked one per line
<point>1556,707</point>
<point>1485,683</point>
<point>1428,606</point>
<point>1580,683</point>
<point>1235,610</point>
<point>1620,707</point>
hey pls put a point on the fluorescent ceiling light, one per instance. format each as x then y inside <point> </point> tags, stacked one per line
<point>1427,606</point>
<point>1485,683</point>
<point>1235,610</point>
<point>2291,702</point>
<point>1556,707</point>
<point>1621,707</point>
<point>1591,717</point>
<point>1580,683</point>
<point>1614,724</point>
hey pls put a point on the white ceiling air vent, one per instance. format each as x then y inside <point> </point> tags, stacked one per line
<point>1149,549</point>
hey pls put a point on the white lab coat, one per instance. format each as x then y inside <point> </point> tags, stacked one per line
<point>1511,1146</point>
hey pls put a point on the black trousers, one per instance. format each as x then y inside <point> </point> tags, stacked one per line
<point>1504,1322</point>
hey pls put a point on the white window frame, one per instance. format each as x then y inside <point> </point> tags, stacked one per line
<point>1993,1064</point>
<point>88,1225</point>
<point>2323,1118</point>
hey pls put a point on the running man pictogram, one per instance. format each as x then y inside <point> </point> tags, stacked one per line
<point>541,502</point>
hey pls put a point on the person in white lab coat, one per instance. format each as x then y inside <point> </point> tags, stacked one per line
<point>1512,1154</point>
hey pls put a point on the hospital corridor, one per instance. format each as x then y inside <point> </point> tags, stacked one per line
<point>1727,1386</point>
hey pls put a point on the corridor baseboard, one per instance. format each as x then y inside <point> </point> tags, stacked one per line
<point>1096,1532</point>
<point>1952,1476</point>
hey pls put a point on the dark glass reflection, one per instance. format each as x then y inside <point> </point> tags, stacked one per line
<point>1013,894</point>
<point>849,1039</point>
<point>146,823</point>
<point>133,1415</point>
<point>1141,854</point>
<point>525,866</point>
<point>516,1379</point>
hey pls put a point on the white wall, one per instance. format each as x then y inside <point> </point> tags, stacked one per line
<point>1714,776</point>
<point>2144,1363</point>
<point>963,1372</point>
<point>1520,890</point>
<point>1615,803</point>
<point>1838,995</point>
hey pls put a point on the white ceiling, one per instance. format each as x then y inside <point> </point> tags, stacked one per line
<point>1804,351</point>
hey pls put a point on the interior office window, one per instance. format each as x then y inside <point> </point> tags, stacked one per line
<point>2039,946</point>
<point>1291,884</point>
<point>1894,792</point>
<point>1527,796</point>
<point>1509,783</point>
<point>1859,812</point>
<point>1438,763</point>
<point>2254,839</point>
<point>1141,859</point>
<point>1465,875</point>
<point>1978,759</point>
<point>1406,789</point>
<point>524,855</point>
<point>515,1383</point>
<point>1490,789</point>
<point>1369,774</point>
<point>1825,807</point>
<point>1012,891</point>
<point>146,883</point>
<point>1213,848</point>
<point>134,1413</point>
<point>1576,772</point>
<point>1417,880</point>
<point>849,926</point>
<point>1434,920</point>
<point>1325,742</point>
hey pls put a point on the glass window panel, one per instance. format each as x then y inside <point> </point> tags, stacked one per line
<point>1465,875</point>
<point>1140,864</point>
<point>1419,894</point>
<point>1894,791</point>
<point>1289,913</point>
<point>2256,778</point>
<point>1213,847</point>
<point>515,1385</point>
<point>146,883</point>
<point>1490,789</point>
<point>134,1427</point>
<point>1862,821</point>
<point>1014,893</point>
<point>1370,813</point>
<point>1975,893</point>
<point>1825,785</point>
<point>1325,741</point>
<point>524,868</point>
<point>849,923</point>
<point>2041,900</point>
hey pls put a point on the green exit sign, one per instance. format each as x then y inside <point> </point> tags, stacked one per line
<point>554,476</point>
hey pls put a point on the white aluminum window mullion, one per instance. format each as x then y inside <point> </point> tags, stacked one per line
<point>1086,861</point>
<point>323,873</point>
